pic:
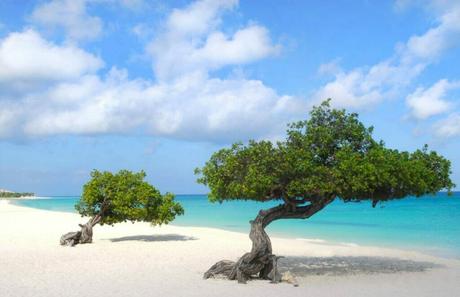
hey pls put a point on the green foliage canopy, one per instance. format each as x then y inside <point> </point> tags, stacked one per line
<point>332,154</point>
<point>125,196</point>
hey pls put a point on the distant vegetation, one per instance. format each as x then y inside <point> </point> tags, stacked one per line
<point>15,195</point>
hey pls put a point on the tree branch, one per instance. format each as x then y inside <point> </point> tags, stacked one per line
<point>285,211</point>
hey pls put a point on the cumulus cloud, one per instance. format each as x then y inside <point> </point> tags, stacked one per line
<point>191,41</point>
<point>427,102</point>
<point>193,107</point>
<point>363,87</point>
<point>199,17</point>
<point>448,127</point>
<point>25,57</point>
<point>190,108</point>
<point>70,15</point>
<point>436,40</point>
<point>366,86</point>
<point>185,102</point>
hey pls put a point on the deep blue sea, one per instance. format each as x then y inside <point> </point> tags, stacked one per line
<point>430,224</point>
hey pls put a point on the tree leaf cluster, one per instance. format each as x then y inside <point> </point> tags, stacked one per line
<point>126,196</point>
<point>331,154</point>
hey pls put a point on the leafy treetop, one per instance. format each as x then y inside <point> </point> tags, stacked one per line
<point>125,196</point>
<point>332,154</point>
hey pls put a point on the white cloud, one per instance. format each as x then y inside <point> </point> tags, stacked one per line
<point>191,41</point>
<point>71,15</point>
<point>436,40</point>
<point>366,86</point>
<point>193,107</point>
<point>199,17</point>
<point>25,57</point>
<point>347,90</point>
<point>425,103</point>
<point>246,45</point>
<point>189,104</point>
<point>448,127</point>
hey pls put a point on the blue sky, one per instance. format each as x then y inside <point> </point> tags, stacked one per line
<point>160,85</point>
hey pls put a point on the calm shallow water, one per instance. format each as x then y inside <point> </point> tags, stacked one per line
<point>430,224</point>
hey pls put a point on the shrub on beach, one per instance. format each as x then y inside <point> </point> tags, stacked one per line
<point>124,196</point>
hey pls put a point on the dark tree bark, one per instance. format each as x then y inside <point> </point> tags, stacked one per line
<point>260,261</point>
<point>85,235</point>
<point>71,238</point>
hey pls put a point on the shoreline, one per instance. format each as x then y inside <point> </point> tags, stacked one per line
<point>311,241</point>
<point>21,198</point>
<point>137,259</point>
<point>434,251</point>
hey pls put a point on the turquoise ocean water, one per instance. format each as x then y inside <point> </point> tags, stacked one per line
<point>430,224</point>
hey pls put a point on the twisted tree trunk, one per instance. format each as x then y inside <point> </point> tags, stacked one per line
<point>260,261</point>
<point>85,235</point>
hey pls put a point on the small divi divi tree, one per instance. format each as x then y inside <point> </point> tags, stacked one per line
<point>332,155</point>
<point>114,198</point>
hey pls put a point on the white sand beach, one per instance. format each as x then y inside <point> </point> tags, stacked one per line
<point>140,260</point>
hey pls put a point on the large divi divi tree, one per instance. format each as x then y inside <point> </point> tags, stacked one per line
<point>332,155</point>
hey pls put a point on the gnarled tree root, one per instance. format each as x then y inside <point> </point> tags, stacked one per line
<point>71,238</point>
<point>85,235</point>
<point>265,267</point>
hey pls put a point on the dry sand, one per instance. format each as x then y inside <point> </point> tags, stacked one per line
<point>140,260</point>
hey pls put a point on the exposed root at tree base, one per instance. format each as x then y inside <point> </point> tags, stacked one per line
<point>85,235</point>
<point>243,272</point>
<point>265,267</point>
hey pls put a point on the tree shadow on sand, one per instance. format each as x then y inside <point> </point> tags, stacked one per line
<point>341,266</point>
<point>152,238</point>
